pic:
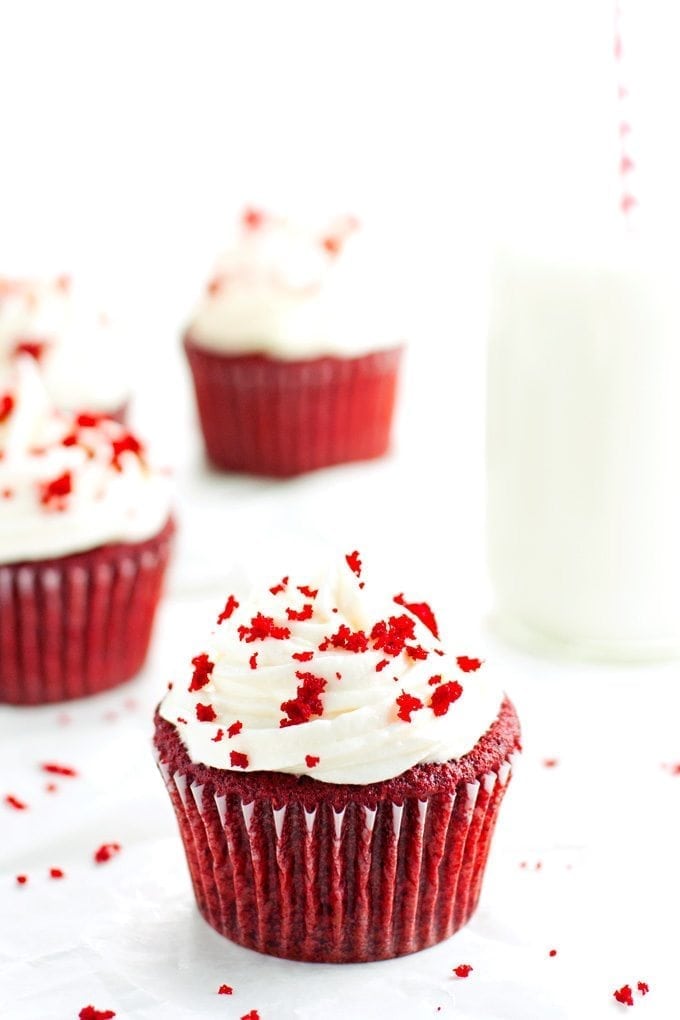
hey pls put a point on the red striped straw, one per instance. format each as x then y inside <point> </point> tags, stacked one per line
<point>628,202</point>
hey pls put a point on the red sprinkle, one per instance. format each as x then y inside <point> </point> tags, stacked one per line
<point>229,608</point>
<point>421,611</point>
<point>468,665</point>
<point>106,851</point>
<point>22,879</point>
<point>205,713</point>
<point>58,770</point>
<point>281,586</point>
<point>311,760</point>
<point>203,668</point>
<point>462,970</point>
<point>252,661</point>
<point>218,736</point>
<point>643,987</point>
<point>238,759</point>
<point>444,696</point>
<point>408,704</point>
<point>624,995</point>
<point>53,494</point>
<point>14,802</point>
<point>234,729</point>
<point>90,1013</point>
<point>262,627</point>
<point>309,593</point>
<point>6,407</point>
<point>354,563</point>
<point>301,614</point>
<point>56,873</point>
<point>303,656</point>
<point>306,702</point>
<point>225,990</point>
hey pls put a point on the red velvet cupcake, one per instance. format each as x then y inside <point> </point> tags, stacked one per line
<point>85,535</point>
<point>293,357</point>
<point>329,813</point>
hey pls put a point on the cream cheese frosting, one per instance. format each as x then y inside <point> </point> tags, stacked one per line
<point>77,348</point>
<point>315,677</point>
<point>292,290</point>
<point>69,482</point>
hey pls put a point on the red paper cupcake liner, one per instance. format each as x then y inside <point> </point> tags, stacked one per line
<point>79,624</point>
<point>272,417</point>
<point>337,874</point>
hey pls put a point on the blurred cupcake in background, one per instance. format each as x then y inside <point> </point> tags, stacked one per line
<point>85,534</point>
<point>295,348</point>
<point>75,346</point>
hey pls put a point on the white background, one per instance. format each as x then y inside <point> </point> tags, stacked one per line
<point>130,134</point>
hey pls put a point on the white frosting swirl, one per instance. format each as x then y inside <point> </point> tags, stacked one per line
<point>359,737</point>
<point>293,291</point>
<point>77,348</point>
<point>109,493</point>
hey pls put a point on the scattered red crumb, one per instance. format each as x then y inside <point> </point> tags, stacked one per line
<point>311,760</point>
<point>550,763</point>
<point>234,729</point>
<point>301,614</point>
<point>391,636</point>
<point>53,494</point>
<point>205,713</point>
<point>225,990</point>
<point>674,769</point>
<point>262,627</point>
<point>281,586</point>
<point>303,656</point>
<point>126,444</point>
<point>338,676</point>
<point>230,606</point>
<point>444,696</point>
<point>58,770</point>
<point>438,651</point>
<point>252,661</point>
<point>51,787</point>
<point>408,704</point>
<point>6,406</point>
<point>624,995</point>
<point>88,421</point>
<point>468,665</point>
<point>381,665</point>
<point>90,1013</point>
<point>538,865</point>
<point>22,879</point>
<point>351,640</point>
<point>34,348</point>
<point>434,680</point>
<point>238,759</point>
<point>106,851</point>
<point>203,668</point>
<point>553,952</point>
<point>216,284</point>
<point>218,736</point>
<point>416,652</point>
<point>421,611</point>
<point>56,873</point>
<point>309,593</point>
<point>70,440</point>
<point>181,719</point>
<point>306,702</point>
<point>463,970</point>
<point>253,1015</point>
<point>354,562</point>
<point>332,245</point>
<point>642,987</point>
<point>14,802</point>
<point>252,218</point>
<point>7,493</point>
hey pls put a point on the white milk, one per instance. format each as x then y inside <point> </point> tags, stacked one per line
<point>583,449</point>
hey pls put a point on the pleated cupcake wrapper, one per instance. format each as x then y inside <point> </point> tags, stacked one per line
<point>81,624</point>
<point>324,885</point>
<point>280,418</point>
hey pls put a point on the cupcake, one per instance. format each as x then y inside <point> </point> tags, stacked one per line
<point>292,351</point>
<point>85,533</point>
<point>76,347</point>
<point>335,775</point>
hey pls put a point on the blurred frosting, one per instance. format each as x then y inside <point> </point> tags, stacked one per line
<point>69,482</point>
<point>314,677</point>
<point>293,290</point>
<point>77,348</point>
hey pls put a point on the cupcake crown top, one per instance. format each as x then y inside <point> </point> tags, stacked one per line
<point>312,676</point>
<point>292,289</point>
<point>69,481</point>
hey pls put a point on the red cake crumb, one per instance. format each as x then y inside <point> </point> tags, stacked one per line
<point>309,593</point>
<point>421,611</point>
<point>303,656</point>
<point>205,713</point>
<point>253,1015</point>
<point>51,787</point>
<point>14,802</point>
<point>408,704</point>
<point>311,760</point>
<point>444,696</point>
<point>301,614</point>
<point>281,586</point>
<point>332,245</point>
<point>181,719</point>
<point>203,668</point>
<point>225,990</point>
<point>468,665</point>
<point>22,879</point>
<point>53,494</point>
<point>126,444</point>
<point>6,407</point>
<point>106,851</point>
<point>462,970</point>
<point>90,1013</point>
<point>231,605</point>
<point>234,729</point>
<point>550,763</point>
<point>218,736</point>
<point>58,770</point>
<point>416,652</point>
<point>354,562</point>
<point>252,218</point>
<point>381,665</point>
<point>34,348</point>
<point>70,440</point>
<point>642,987</point>
<point>238,760</point>
<point>306,702</point>
<point>434,680</point>
<point>252,661</point>
<point>391,635</point>
<point>262,627</point>
<point>350,640</point>
<point>56,873</point>
<point>624,995</point>
<point>88,421</point>
<point>553,952</point>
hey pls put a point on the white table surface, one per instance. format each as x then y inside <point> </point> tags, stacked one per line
<point>585,855</point>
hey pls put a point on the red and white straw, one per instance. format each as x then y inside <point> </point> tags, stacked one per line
<point>627,169</point>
